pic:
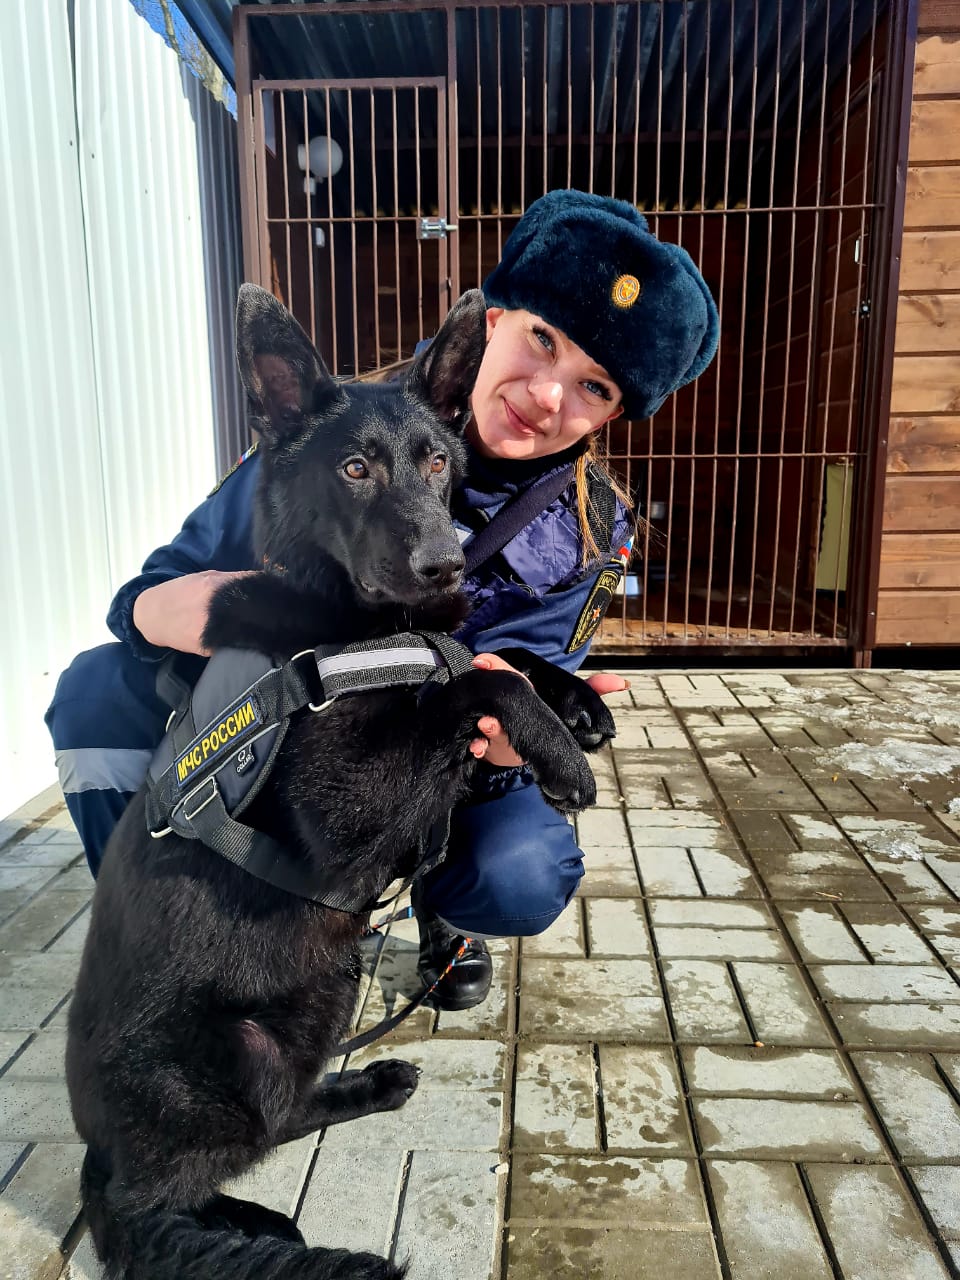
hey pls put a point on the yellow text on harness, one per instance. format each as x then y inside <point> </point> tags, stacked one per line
<point>211,742</point>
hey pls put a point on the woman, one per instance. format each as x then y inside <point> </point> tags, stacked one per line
<point>589,316</point>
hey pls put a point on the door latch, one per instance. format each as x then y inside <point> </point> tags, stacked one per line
<point>434,229</point>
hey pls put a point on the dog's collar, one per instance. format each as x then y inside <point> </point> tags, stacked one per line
<point>202,779</point>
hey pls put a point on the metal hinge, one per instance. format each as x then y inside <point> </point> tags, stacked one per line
<point>865,307</point>
<point>434,229</point>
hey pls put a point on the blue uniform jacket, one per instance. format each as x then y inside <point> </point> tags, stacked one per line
<point>531,594</point>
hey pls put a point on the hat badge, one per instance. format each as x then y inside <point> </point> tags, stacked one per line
<point>626,290</point>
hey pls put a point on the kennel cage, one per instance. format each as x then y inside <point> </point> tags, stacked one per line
<point>388,147</point>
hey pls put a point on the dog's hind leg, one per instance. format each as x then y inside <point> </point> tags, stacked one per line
<point>382,1086</point>
<point>227,1212</point>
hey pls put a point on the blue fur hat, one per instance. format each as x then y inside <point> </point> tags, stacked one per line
<point>589,265</point>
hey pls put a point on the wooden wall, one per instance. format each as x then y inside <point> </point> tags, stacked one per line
<point>919,596</point>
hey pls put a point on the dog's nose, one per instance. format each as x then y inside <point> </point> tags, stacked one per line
<point>439,568</point>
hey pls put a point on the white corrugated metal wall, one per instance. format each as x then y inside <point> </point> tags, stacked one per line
<point>119,248</point>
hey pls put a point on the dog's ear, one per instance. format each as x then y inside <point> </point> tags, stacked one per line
<point>445,373</point>
<point>279,366</point>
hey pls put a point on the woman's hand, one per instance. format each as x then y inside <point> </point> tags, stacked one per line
<point>173,614</point>
<point>494,746</point>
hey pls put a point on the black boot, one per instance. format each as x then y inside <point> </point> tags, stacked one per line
<point>469,981</point>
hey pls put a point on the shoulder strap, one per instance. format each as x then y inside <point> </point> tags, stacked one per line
<point>601,509</point>
<point>514,516</point>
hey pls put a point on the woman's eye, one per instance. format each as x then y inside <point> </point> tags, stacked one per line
<point>596,389</point>
<point>438,463</point>
<point>544,339</point>
<point>356,469</point>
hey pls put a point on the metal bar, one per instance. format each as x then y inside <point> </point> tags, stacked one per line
<point>311,238</point>
<point>761,390</point>
<point>396,227</point>
<point>351,134</point>
<point>592,96</point>
<point>334,317</point>
<point>743,327</point>
<point>499,139</point>
<point>263,232</point>
<point>885,283</point>
<point>367,82</point>
<point>419,190</point>
<point>286,197</point>
<point>444,254</point>
<point>345,7</point>
<point>246,150</point>
<point>376,239</point>
<point>449,165</point>
<point>545,104</point>
<point>479,274</point>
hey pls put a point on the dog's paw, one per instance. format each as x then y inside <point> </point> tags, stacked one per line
<point>565,779</point>
<point>391,1083</point>
<point>586,715</point>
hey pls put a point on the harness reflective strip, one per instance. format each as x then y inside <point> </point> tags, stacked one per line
<point>101,769</point>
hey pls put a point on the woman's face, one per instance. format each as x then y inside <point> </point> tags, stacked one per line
<point>537,392</point>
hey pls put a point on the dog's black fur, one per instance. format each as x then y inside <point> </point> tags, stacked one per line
<point>208,1001</point>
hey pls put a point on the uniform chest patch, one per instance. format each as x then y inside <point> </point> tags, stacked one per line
<point>604,589</point>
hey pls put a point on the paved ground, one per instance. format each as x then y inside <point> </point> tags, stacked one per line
<point>737,1054</point>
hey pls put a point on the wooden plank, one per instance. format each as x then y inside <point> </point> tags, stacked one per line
<point>925,384</point>
<point>920,560</point>
<point>923,444</point>
<point>932,197</point>
<point>934,130</point>
<point>938,15</point>
<point>921,503</point>
<point>918,617</point>
<point>928,322</point>
<point>930,260</point>
<point>937,66</point>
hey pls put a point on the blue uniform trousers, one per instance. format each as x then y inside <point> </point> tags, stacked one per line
<point>512,864</point>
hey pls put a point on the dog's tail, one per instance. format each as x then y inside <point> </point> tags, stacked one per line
<point>229,1240</point>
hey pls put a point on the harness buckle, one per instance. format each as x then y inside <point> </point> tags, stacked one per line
<point>208,799</point>
<point>312,653</point>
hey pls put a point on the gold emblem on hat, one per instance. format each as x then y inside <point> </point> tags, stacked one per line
<point>626,290</point>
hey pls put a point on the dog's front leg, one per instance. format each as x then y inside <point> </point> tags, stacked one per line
<point>382,1086</point>
<point>580,708</point>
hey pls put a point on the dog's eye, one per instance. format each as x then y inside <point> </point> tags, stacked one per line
<point>356,469</point>
<point>438,463</point>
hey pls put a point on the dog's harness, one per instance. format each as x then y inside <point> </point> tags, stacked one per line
<point>201,779</point>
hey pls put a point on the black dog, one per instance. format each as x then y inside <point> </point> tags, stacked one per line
<point>208,1000</point>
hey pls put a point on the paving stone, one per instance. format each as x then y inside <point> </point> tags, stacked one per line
<point>10,1152</point>
<point>901,836</point>
<point>785,1129</point>
<point>886,934</point>
<point>947,867</point>
<point>73,937</point>
<point>643,1109</point>
<point>696,942</point>
<point>787,832</point>
<point>434,1119</point>
<point>908,880</point>
<point>821,933</point>
<point>607,1190</point>
<point>894,1026</point>
<point>766,1072</point>
<point>449,1224</point>
<point>555,1098</point>
<point>669,828</point>
<point>668,871</point>
<point>49,852</point>
<point>617,927</point>
<point>873,1226</point>
<point>592,999</point>
<point>780,1007</point>
<point>721,915</point>
<point>563,938</point>
<point>33,985</point>
<point>724,874</point>
<point>609,1253</point>
<point>26,880</point>
<point>10,1042</point>
<point>919,1114</point>
<point>766,1223</point>
<point>609,873</point>
<point>37,1210</point>
<point>445,1064</point>
<point>758,779</point>
<point>37,923</point>
<point>602,829</point>
<point>278,1181</point>
<point>939,1187</point>
<point>671,779</point>
<point>608,785</point>
<point>335,1216</point>
<point>900,984</point>
<point>703,1002</point>
<point>84,1264</point>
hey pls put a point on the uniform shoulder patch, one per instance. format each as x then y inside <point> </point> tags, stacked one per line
<point>598,601</point>
<point>239,463</point>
